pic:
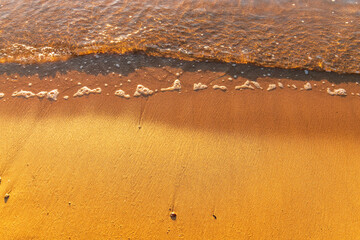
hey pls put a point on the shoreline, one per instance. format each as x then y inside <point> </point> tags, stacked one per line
<point>110,73</point>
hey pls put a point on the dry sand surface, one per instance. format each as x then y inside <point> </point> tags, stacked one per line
<point>239,164</point>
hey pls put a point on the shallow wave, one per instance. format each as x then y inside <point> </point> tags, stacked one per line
<point>319,35</point>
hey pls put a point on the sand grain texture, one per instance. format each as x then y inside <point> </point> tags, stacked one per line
<point>269,165</point>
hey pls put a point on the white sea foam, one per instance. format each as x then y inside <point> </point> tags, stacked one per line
<point>337,92</point>
<point>86,91</point>
<point>176,86</point>
<point>256,84</point>
<point>28,94</point>
<point>52,94</point>
<point>41,94</point>
<point>246,85</point>
<point>307,86</point>
<point>121,93</point>
<point>223,88</point>
<point>199,86</point>
<point>141,90</point>
<point>271,87</point>
<point>22,93</point>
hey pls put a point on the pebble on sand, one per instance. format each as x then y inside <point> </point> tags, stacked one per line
<point>173,215</point>
<point>6,197</point>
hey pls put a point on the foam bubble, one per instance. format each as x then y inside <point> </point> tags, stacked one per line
<point>337,92</point>
<point>271,87</point>
<point>141,90</point>
<point>86,91</point>
<point>199,86</point>
<point>246,85</point>
<point>307,86</point>
<point>176,86</point>
<point>2,95</point>
<point>223,88</point>
<point>121,93</point>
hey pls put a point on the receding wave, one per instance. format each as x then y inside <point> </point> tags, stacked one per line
<point>318,35</point>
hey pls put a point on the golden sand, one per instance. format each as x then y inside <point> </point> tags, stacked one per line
<point>251,164</point>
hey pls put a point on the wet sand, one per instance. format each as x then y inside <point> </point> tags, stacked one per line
<point>250,164</point>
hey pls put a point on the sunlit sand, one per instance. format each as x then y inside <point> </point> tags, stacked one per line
<point>186,164</point>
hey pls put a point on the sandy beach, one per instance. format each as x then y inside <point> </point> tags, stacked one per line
<point>235,164</point>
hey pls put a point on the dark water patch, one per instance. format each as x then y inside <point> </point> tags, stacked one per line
<point>106,64</point>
